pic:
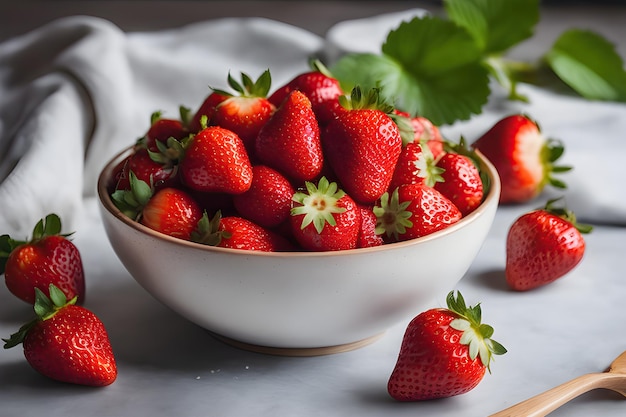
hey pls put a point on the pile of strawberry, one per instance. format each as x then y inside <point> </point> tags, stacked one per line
<point>308,167</point>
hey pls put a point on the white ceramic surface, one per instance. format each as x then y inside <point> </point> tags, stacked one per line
<point>297,300</point>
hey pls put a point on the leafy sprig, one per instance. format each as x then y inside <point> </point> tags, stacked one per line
<point>441,67</point>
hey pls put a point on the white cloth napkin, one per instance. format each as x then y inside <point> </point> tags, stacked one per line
<point>76,91</point>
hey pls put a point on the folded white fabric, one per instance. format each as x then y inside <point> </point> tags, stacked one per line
<point>77,91</point>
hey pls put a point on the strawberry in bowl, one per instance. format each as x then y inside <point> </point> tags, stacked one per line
<point>305,244</point>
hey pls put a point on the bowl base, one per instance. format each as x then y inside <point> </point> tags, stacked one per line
<point>313,351</point>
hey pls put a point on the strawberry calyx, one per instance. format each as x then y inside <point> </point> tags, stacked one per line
<point>208,230</point>
<point>476,335</point>
<point>566,214</point>
<point>392,216</point>
<point>552,150</point>
<point>132,201</point>
<point>48,226</point>
<point>45,308</point>
<point>371,99</point>
<point>318,204</point>
<point>427,168</point>
<point>248,87</point>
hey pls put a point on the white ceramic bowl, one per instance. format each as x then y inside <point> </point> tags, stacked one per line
<point>297,303</point>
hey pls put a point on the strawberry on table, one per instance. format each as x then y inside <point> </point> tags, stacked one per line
<point>362,146</point>
<point>524,158</point>
<point>412,211</point>
<point>66,342</point>
<point>216,161</point>
<point>290,141</point>
<point>542,246</point>
<point>444,352</point>
<point>325,218</point>
<point>48,257</point>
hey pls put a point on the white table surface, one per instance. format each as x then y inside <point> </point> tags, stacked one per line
<point>170,367</point>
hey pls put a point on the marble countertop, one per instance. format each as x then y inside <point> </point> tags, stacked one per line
<point>171,367</point>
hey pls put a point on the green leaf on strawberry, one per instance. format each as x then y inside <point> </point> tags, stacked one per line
<point>45,307</point>
<point>392,216</point>
<point>48,226</point>
<point>318,204</point>
<point>476,335</point>
<point>249,87</point>
<point>131,202</point>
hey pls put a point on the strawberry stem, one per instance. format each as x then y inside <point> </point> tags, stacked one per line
<point>566,214</point>
<point>207,232</point>
<point>45,308</point>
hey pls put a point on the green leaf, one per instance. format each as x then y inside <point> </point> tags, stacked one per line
<point>52,225</point>
<point>496,25</point>
<point>589,64</point>
<point>428,66</point>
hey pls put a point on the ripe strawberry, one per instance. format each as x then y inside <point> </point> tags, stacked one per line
<point>462,183</point>
<point>325,218</point>
<point>367,233</point>
<point>290,141</point>
<point>416,164</point>
<point>162,129</point>
<point>66,342</point>
<point>523,157</point>
<point>238,233</point>
<point>147,169</point>
<point>320,87</point>
<point>246,113</point>
<point>173,212</point>
<point>206,110</point>
<point>169,210</point>
<point>362,146</point>
<point>216,161</point>
<point>542,246</point>
<point>444,352</point>
<point>268,201</point>
<point>412,211</point>
<point>422,130</point>
<point>49,257</point>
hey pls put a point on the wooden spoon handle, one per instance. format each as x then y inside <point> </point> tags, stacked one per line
<point>546,402</point>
